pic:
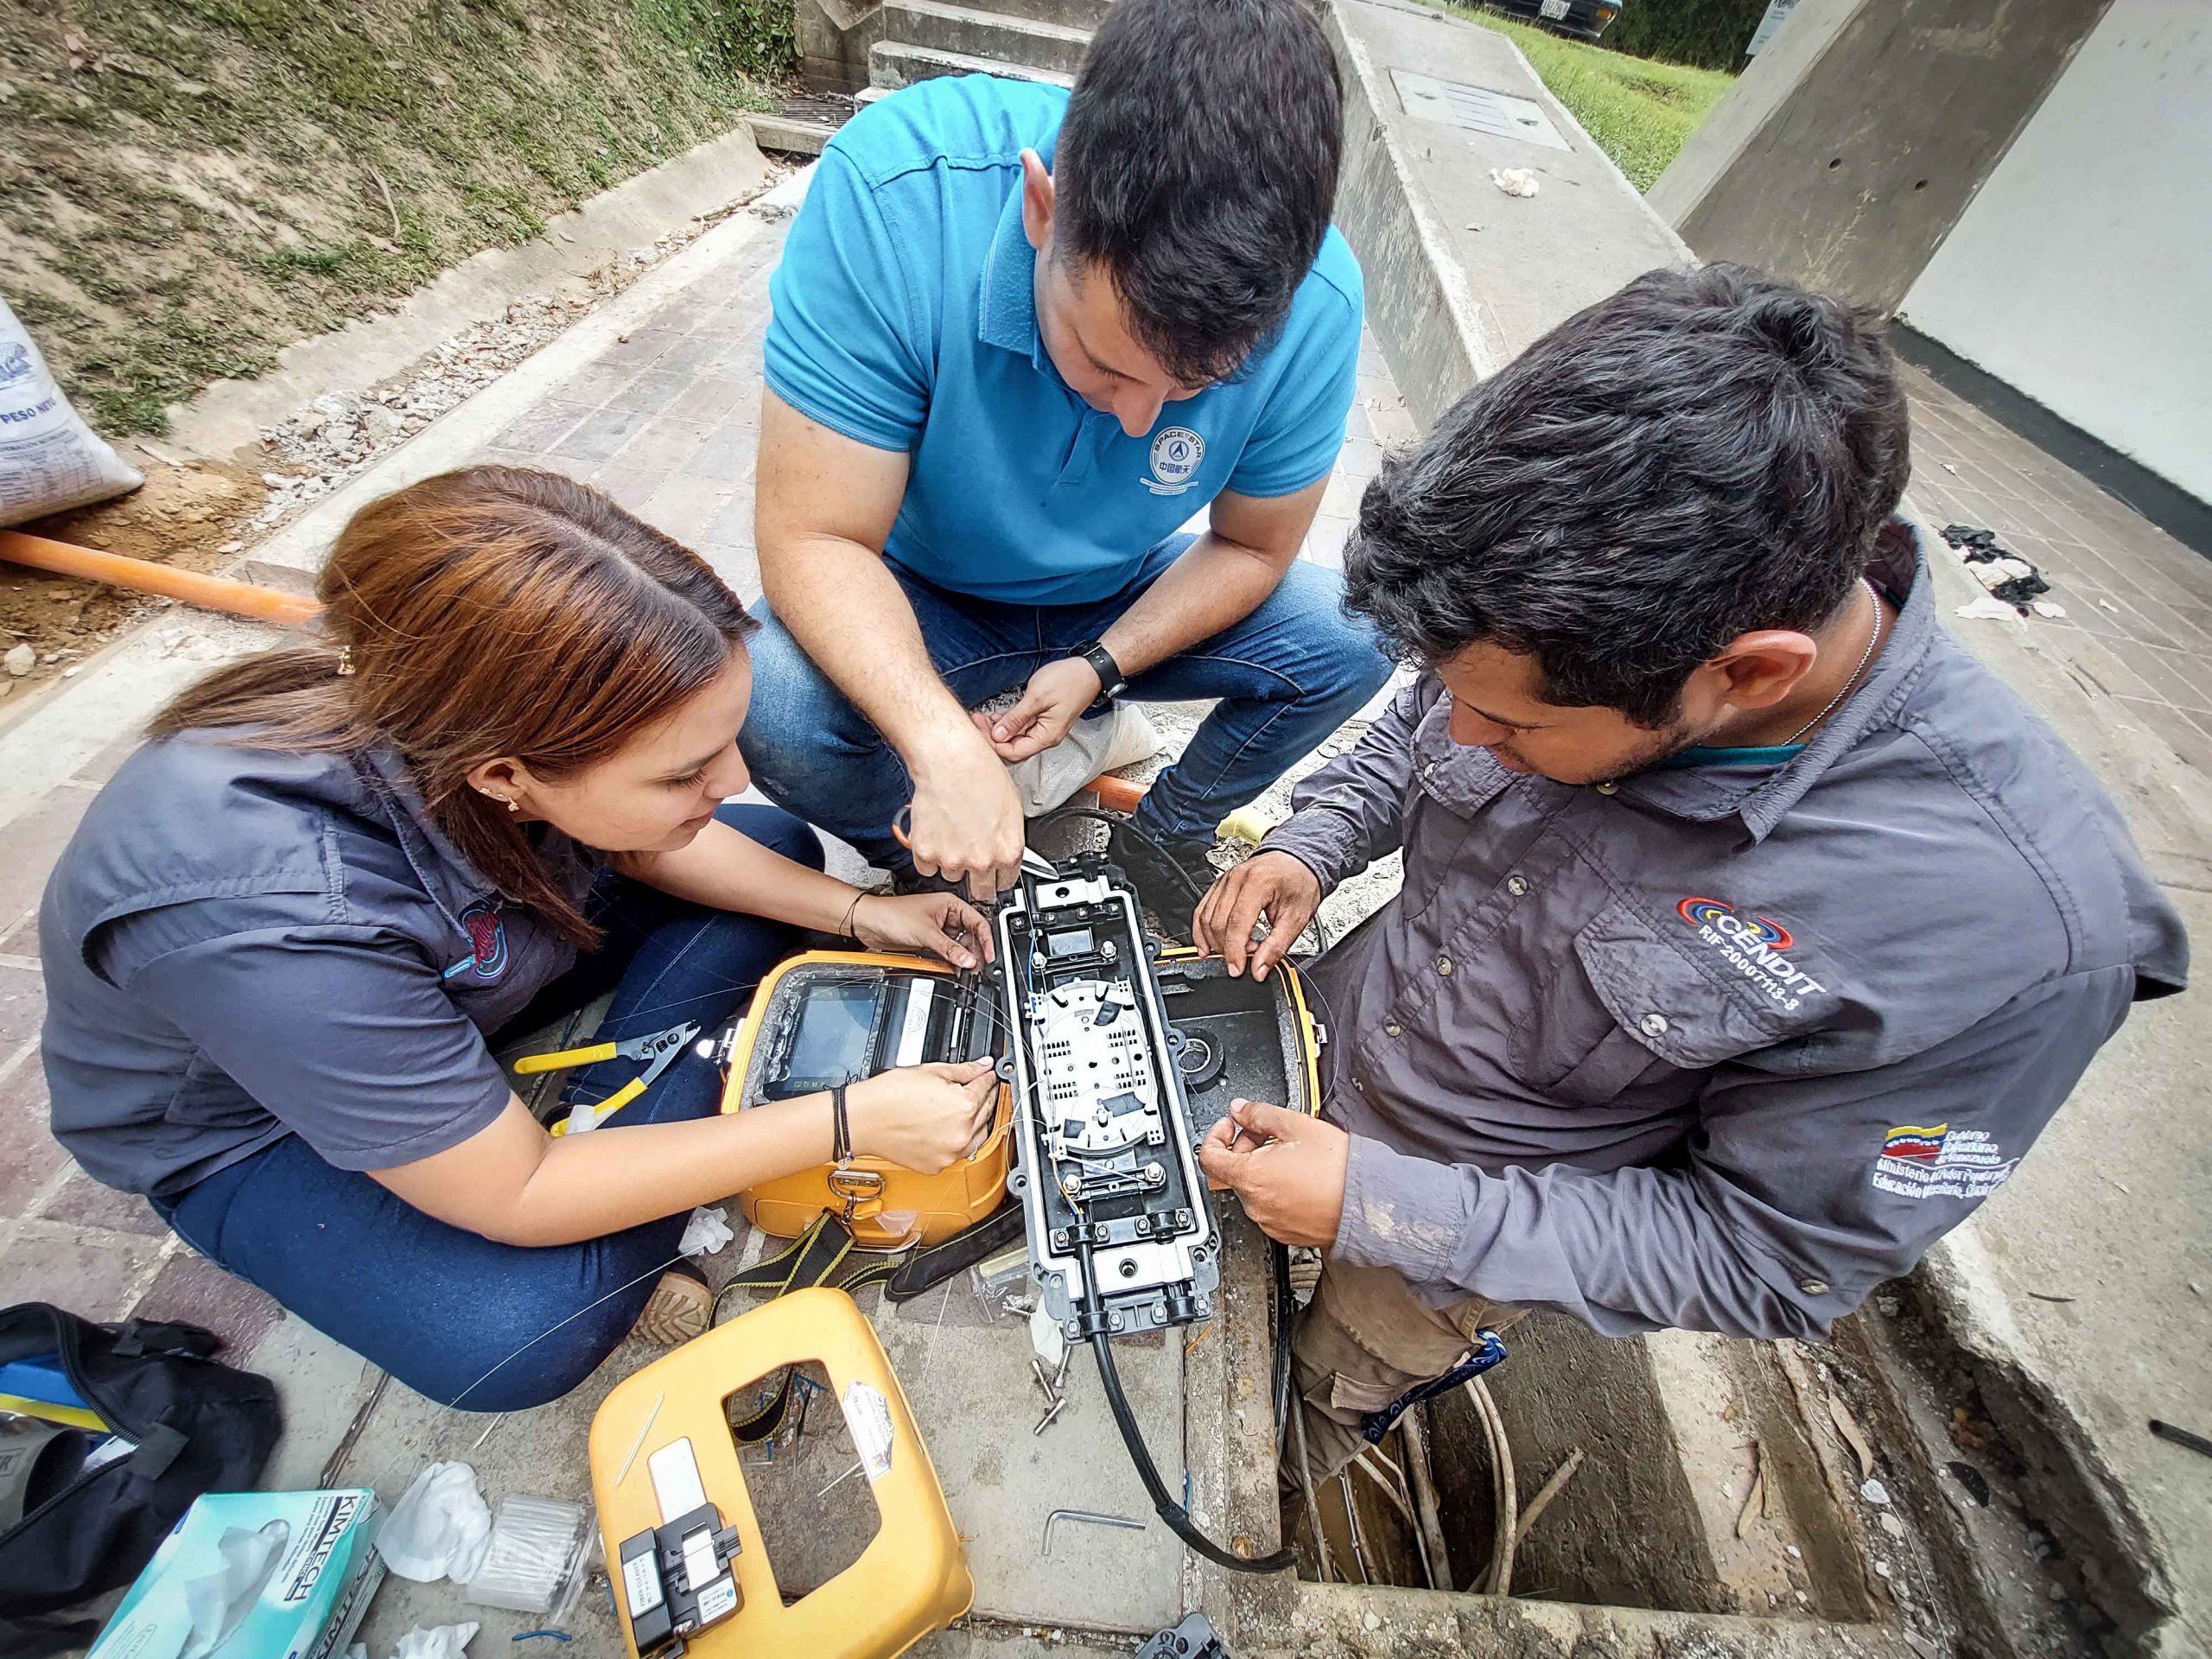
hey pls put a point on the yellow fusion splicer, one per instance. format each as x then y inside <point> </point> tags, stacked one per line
<point>835,1016</point>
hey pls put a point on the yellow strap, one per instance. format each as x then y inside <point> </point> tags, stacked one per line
<point>565,1058</point>
<point>72,1416</point>
<point>607,1109</point>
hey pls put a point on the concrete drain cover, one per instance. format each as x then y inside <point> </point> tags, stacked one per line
<point>1476,108</point>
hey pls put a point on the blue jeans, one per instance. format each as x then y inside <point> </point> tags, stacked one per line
<point>1287,676</point>
<point>455,1316</point>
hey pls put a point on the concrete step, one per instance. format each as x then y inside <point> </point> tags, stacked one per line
<point>1073,14</point>
<point>781,132</point>
<point>978,33</point>
<point>892,65</point>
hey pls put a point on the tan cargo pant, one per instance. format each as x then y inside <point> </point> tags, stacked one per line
<point>1363,1340</point>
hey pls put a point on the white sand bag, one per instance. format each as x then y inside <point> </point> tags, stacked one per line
<point>50,461</point>
<point>1120,737</point>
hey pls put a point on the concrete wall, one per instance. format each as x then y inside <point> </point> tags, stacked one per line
<point>1460,276</point>
<point>2079,273</point>
<point>834,36</point>
<point>1854,142</point>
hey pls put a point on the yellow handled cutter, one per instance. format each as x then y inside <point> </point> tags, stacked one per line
<point>658,1052</point>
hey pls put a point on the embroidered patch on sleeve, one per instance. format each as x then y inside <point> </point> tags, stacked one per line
<point>1935,1160</point>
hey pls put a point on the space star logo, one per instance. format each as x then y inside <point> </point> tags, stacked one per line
<point>1176,455</point>
<point>1754,947</point>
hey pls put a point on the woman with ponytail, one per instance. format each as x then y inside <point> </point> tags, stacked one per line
<point>287,935</point>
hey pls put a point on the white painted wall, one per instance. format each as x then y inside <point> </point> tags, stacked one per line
<point>2082,273</point>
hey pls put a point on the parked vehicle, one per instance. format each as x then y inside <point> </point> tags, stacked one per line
<point>1585,19</point>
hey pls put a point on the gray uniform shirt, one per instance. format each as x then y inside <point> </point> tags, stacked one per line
<point>1720,1048</point>
<point>241,945</point>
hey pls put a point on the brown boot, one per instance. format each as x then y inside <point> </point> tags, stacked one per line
<point>680,1308</point>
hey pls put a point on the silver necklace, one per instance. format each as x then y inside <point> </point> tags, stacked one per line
<point>1865,657</point>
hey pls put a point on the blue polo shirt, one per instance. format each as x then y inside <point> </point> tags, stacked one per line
<point>905,317</point>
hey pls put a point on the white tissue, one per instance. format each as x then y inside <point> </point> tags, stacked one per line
<point>445,1641</point>
<point>439,1529</point>
<point>706,1232</point>
<point>1514,180</point>
<point>218,1603</point>
<point>1990,609</point>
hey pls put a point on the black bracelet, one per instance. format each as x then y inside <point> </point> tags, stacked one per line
<point>840,1131</point>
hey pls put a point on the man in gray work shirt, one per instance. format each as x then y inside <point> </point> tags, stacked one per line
<point>1750,930</point>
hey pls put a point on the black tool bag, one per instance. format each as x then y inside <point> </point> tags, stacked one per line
<point>198,1427</point>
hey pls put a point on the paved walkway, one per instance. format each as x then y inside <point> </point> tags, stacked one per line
<point>2086,1284</point>
<point>2139,603</point>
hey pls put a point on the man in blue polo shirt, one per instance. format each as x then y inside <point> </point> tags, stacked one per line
<point>1020,337</point>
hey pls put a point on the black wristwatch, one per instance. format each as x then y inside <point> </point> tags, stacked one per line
<point>1111,681</point>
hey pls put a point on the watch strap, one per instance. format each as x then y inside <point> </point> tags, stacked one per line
<point>1111,681</point>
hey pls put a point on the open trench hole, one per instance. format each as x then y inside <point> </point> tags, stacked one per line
<point>816,1507</point>
<point>1699,1489</point>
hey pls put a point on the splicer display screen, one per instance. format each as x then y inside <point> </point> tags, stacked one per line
<point>830,1045</point>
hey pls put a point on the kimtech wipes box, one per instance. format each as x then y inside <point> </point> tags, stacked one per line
<point>253,1575</point>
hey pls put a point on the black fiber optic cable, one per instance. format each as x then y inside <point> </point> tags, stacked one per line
<point>1110,1378</point>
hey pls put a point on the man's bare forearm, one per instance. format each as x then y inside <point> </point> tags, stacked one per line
<point>1215,584</point>
<point>840,602</point>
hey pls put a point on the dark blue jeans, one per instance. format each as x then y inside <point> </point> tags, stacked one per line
<point>455,1316</point>
<point>1287,676</point>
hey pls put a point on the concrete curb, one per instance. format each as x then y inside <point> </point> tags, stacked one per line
<point>1426,317</point>
<point>228,418</point>
<point>2123,1568</point>
<point>472,423</point>
<point>1452,305</point>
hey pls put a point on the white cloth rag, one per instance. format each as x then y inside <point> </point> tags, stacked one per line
<point>440,1642</point>
<point>439,1528</point>
<point>706,1232</point>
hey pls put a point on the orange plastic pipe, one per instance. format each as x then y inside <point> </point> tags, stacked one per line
<point>1117,794</point>
<point>211,592</point>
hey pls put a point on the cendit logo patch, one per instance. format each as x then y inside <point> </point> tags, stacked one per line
<point>1754,946</point>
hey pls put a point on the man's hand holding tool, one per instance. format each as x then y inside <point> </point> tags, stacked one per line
<point>1288,1168</point>
<point>1271,885</point>
<point>965,824</point>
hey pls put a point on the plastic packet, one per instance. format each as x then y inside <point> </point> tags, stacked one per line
<point>534,1562</point>
<point>1002,1284</point>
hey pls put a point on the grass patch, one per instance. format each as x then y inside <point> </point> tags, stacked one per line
<point>188,186</point>
<point>1639,111</point>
